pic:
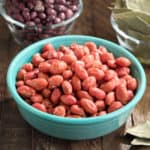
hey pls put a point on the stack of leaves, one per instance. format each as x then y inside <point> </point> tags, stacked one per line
<point>141,134</point>
<point>133,17</point>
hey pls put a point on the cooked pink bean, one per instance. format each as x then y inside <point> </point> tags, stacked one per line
<point>84,94</point>
<point>28,67</point>
<point>67,74</point>
<point>37,59</point>
<point>76,83</point>
<point>26,91</point>
<point>68,99</point>
<point>69,58</point>
<point>81,72</point>
<point>55,81</point>
<point>44,67</point>
<point>89,82</point>
<point>20,74</point>
<point>88,106</point>
<point>97,73</point>
<point>67,87</point>
<point>37,98</point>
<point>122,94</point>
<point>109,74</point>
<point>59,111</point>
<point>132,84</point>
<point>58,67</point>
<point>110,97</point>
<point>96,92</point>
<point>123,62</point>
<point>100,104</point>
<point>46,92</point>
<point>40,107</point>
<point>114,106</point>
<point>77,110</point>
<point>38,83</point>
<point>55,96</point>
<point>19,83</point>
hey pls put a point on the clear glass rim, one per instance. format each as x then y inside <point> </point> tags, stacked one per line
<point>52,26</point>
<point>122,33</point>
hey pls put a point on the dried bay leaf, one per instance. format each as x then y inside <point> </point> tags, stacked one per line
<point>139,141</point>
<point>120,10</point>
<point>140,131</point>
<point>138,35</point>
<point>119,4</point>
<point>133,21</point>
<point>144,21</point>
<point>139,5</point>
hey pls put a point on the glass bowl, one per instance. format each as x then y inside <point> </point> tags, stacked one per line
<point>25,35</point>
<point>140,48</point>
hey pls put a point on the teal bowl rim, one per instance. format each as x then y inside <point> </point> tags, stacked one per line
<point>90,120</point>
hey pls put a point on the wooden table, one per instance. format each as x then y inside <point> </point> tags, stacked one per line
<point>16,134</point>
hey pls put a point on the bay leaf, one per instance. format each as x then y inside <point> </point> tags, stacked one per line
<point>132,20</point>
<point>119,4</point>
<point>120,10</point>
<point>144,21</point>
<point>139,5</point>
<point>139,141</point>
<point>138,35</point>
<point>140,131</point>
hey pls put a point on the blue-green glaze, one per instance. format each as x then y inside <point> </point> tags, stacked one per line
<point>71,128</point>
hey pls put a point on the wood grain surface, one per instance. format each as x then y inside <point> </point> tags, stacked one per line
<point>16,134</point>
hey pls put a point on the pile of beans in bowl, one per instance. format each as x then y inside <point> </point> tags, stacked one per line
<point>76,81</point>
<point>39,15</point>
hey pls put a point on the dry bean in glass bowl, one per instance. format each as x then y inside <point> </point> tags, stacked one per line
<point>30,21</point>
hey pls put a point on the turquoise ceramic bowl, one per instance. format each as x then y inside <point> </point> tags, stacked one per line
<point>71,128</point>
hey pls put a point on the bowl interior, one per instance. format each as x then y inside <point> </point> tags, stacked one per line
<point>26,55</point>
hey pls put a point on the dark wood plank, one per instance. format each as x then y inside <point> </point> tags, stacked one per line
<point>16,133</point>
<point>8,49</point>
<point>95,144</point>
